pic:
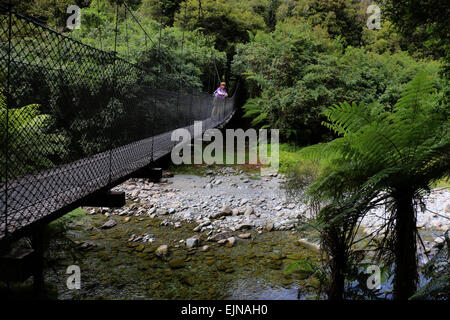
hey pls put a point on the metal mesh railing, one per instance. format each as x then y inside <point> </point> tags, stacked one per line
<point>75,119</point>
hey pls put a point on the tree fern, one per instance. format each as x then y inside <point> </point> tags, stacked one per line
<point>399,152</point>
<point>253,110</point>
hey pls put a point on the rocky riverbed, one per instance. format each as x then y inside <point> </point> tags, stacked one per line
<point>228,200</point>
<point>144,258</point>
<point>221,234</point>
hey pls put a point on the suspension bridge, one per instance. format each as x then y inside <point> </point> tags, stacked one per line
<point>76,121</point>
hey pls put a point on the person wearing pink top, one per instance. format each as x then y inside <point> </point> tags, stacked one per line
<point>219,101</point>
<point>221,91</point>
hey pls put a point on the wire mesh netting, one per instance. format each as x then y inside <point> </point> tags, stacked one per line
<point>75,119</point>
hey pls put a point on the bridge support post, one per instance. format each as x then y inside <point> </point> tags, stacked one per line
<point>153,174</point>
<point>110,199</point>
<point>16,264</point>
<point>37,241</point>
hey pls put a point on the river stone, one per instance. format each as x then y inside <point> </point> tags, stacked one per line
<point>245,235</point>
<point>162,250</point>
<point>308,244</point>
<point>176,263</point>
<point>140,248</point>
<point>190,281</point>
<point>162,212</point>
<point>87,245</point>
<point>109,224</point>
<point>439,240</point>
<point>244,225</point>
<point>167,174</point>
<point>230,242</point>
<point>248,211</point>
<point>225,210</point>
<point>192,242</point>
<point>201,225</point>
<point>149,250</point>
<point>221,236</point>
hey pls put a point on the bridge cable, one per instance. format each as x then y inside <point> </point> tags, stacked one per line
<point>8,105</point>
<point>114,53</point>
<point>126,33</point>
<point>173,69</point>
<point>99,30</point>
<point>182,40</point>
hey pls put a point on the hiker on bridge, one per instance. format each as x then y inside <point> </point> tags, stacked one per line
<point>219,101</point>
<point>221,91</point>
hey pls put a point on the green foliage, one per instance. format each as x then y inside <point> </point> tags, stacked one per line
<point>423,25</point>
<point>51,12</point>
<point>61,225</point>
<point>192,62</point>
<point>382,157</point>
<point>99,24</point>
<point>383,40</point>
<point>343,19</point>
<point>161,10</point>
<point>227,21</point>
<point>185,55</point>
<point>22,130</point>
<point>438,272</point>
<point>296,72</point>
<point>253,110</point>
<point>305,266</point>
<point>379,142</point>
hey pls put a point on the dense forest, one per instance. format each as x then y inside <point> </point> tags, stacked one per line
<point>366,110</point>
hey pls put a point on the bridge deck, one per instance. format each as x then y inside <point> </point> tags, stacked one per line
<point>33,198</point>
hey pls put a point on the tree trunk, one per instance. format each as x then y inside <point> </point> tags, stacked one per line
<point>335,246</point>
<point>336,289</point>
<point>405,279</point>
